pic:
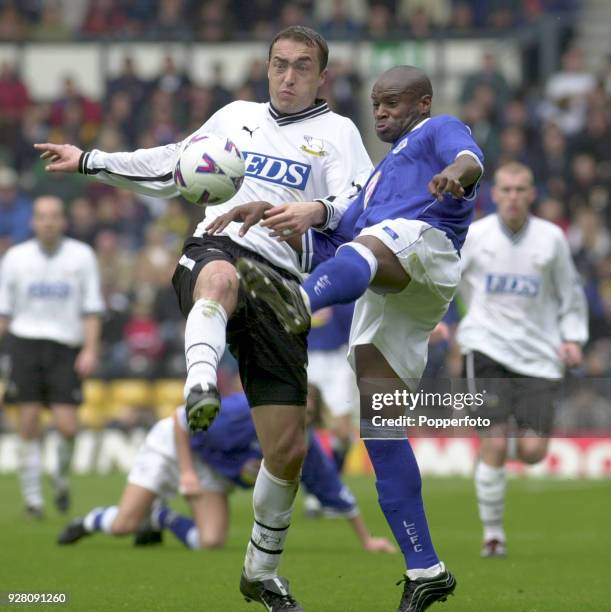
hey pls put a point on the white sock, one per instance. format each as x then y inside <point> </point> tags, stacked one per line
<point>29,469</point>
<point>427,572</point>
<point>101,519</point>
<point>272,501</point>
<point>193,539</point>
<point>204,343</point>
<point>490,487</point>
<point>65,450</point>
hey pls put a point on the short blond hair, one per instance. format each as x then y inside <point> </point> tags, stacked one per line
<point>514,167</point>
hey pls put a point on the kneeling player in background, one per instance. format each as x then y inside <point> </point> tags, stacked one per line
<point>526,321</point>
<point>206,467</point>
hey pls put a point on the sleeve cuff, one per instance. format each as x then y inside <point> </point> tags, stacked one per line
<point>82,163</point>
<point>329,210</point>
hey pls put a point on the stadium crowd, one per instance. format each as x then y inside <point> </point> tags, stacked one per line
<point>563,134</point>
<point>223,20</point>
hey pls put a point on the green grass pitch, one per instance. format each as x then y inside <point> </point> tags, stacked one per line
<point>559,538</point>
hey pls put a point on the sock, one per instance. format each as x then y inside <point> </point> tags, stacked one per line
<point>29,469</point>
<point>429,572</point>
<point>400,496</point>
<point>101,519</point>
<point>272,501</point>
<point>490,487</point>
<point>181,526</point>
<point>340,449</point>
<point>204,343</point>
<point>343,279</point>
<point>65,450</point>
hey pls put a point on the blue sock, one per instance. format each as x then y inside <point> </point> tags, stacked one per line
<point>181,526</point>
<point>340,280</point>
<point>400,496</point>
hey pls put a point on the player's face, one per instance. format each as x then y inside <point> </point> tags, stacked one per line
<point>396,110</point>
<point>513,194</point>
<point>49,221</point>
<point>294,75</point>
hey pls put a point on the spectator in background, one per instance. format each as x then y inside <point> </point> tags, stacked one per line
<point>104,18</point>
<point>221,96</point>
<point>339,24</point>
<point>553,158</point>
<point>490,75</point>
<point>52,25</point>
<point>462,17</point>
<point>552,210</point>
<point>201,107</point>
<point>419,24</point>
<point>14,101</point>
<point>82,222</point>
<point>72,104</point>
<point>566,93</point>
<point>127,82</point>
<point>379,21</point>
<point>15,211</point>
<point>595,140</point>
<point>215,23</point>
<point>171,21</point>
<point>12,25</point>
<point>256,79</point>
<point>172,79</point>
<point>116,264</point>
<point>437,11</point>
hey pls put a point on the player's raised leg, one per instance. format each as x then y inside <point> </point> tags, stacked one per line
<point>29,458</point>
<point>208,291</point>
<point>281,433</point>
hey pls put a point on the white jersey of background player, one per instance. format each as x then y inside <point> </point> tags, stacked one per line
<point>523,296</point>
<point>288,158</point>
<point>296,150</point>
<point>527,316</point>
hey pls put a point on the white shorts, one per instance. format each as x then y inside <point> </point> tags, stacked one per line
<point>159,473</point>
<point>399,324</point>
<point>332,374</point>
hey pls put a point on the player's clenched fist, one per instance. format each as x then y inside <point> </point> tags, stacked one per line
<point>63,157</point>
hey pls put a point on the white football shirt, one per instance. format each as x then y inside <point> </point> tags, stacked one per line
<point>523,296</point>
<point>46,295</point>
<point>315,154</point>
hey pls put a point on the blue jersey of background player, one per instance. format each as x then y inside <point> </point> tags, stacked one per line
<point>413,159</point>
<point>230,446</point>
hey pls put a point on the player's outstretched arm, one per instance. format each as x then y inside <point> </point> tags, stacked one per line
<point>453,179</point>
<point>62,157</point>
<point>145,171</point>
<point>189,482</point>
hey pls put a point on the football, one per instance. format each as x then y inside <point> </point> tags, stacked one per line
<point>209,170</point>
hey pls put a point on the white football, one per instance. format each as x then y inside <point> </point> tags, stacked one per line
<point>209,170</point>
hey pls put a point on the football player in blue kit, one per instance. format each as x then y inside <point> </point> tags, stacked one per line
<point>397,252</point>
<point>206,467</point>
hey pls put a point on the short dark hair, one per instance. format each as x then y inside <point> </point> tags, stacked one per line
<point>305,35</point>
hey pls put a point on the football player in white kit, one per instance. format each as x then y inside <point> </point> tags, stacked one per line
<point>295,149</point>
<point>50,305</point>
<point>526,321</point>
